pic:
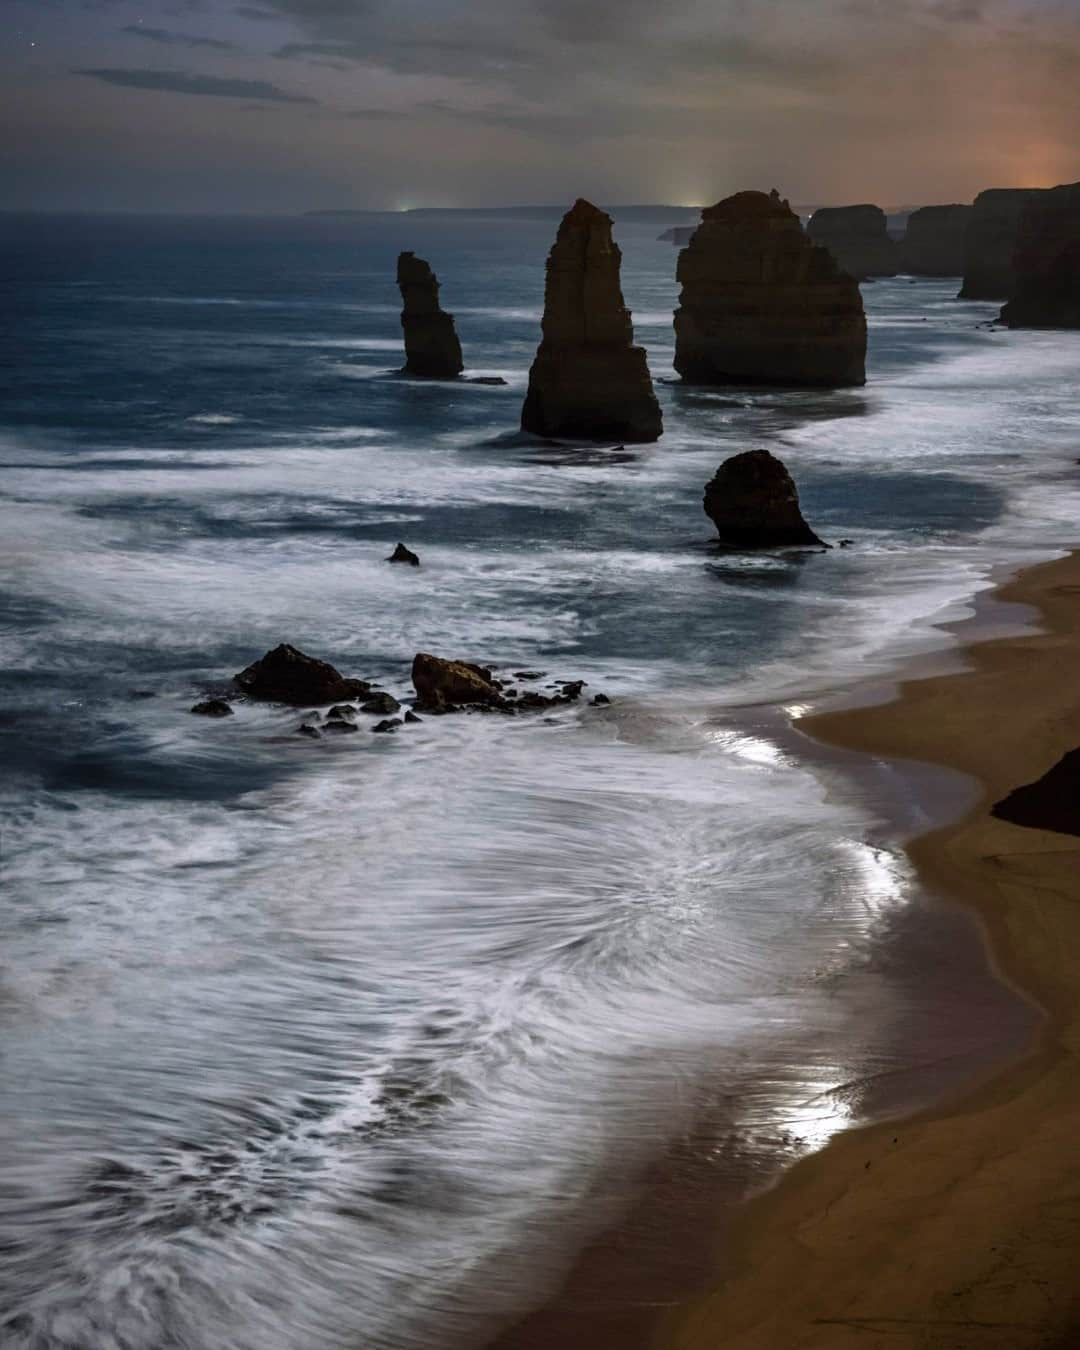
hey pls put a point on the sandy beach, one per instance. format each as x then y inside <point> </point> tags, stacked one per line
<point>961,1227</point>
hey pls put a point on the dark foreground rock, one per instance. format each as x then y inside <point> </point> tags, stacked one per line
<point>761,303</point>
<point>287,675</point>
<point>857,237</point>
<point>588,380</point>
<point>934,243</point>
<point>431,343</point>
<point>1050,803</point>
<point>1046,262</point>
<point>401,554</point>
<point>991,241</point>
<point>213,707</point>
<point>753,502</point>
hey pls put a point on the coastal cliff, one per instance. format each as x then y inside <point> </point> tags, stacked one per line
<point>1046,263</point>
<point>991,242</point>
<point>431,343</point>
<point>858,239</point>
<point>935,240</point>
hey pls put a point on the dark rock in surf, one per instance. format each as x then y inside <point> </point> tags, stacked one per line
<point>1046,262</point>
<point>442,684</point>
<point>600,700</point>
<point>410,716</point>
<point>306,729</point>
<point>380,703</point>
<point>287,675</point>
<point>991,241</point>
<point>213,707</point>
<point>339,726</point>
<point>857,237</point>
<point>431,344</point>
<point>401,554</point>
<point>389,724</point>
<point>341,712</point>
<point>588,380</point>
<point>934,243</point>
<point>753,502</point>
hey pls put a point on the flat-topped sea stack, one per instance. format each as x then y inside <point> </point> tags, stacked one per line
<point>1046,262</point>
<point>432,348</point>
<point>858,238</point>
<point>761,303</point>
<point>753,502</point>
<point>991,242</point>
<point>935,241</point>
<point>588,381</point>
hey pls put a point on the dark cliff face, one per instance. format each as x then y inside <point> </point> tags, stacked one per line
<point>431,344</point>
<point>753,502</point>
<point>588,380</point>
<point>1046,262</point>
<point>761,303</point>
<point>991,241</point>
<point>857,237</point>
<point>935,240</point>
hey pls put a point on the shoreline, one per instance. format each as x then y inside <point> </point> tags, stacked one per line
<point>803,1263</point>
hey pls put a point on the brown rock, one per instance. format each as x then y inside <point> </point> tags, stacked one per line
<point>857,238</point>
<point>753,502</point>
<point>934,243</point>
<point>588,380</point>
<point>1046,262</point>
<point>286,675</point>
<point>763,304</point>
<point>991,242</point>
<point>431,344</point>
<point>440,684</point>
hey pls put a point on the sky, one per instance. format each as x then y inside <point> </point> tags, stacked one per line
<point>293,105</point>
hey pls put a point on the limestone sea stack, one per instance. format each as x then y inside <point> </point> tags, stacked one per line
<point>934,243</point>
<point>1046,262</point>
<point>991,241</point>
<point>588,380</point>
<point>857,237</point>
<point>763,304</point>
<point>431,344</point>
<point>753,502</point>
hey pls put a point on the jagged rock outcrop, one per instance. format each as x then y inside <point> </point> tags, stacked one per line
<point>442,684</point>
<point>1046,262</point>
<point>401,554</point>
<point>857,237</point>
<point>753,502</point>
<point>431,344</point>
<point>991,242</point>
<point>761,303</point>
<point>935,240</point>
<point>286,675</point>
<point>588,380</point>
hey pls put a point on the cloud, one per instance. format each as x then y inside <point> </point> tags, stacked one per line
<point>179,82</point>
<point>168,38</point>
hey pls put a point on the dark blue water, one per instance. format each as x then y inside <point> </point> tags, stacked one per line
<point>314,1044</point>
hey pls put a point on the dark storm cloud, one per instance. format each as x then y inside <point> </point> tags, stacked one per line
<point>179,82</point>
<point>167,38</point>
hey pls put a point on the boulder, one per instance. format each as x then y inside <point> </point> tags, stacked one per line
<point>857,237</point>
<point>1046,262</point>
<point>933,245</point>
<point>286,675</point>
<point>431,344</point>
<point>442,684</point>
<point>753,502</point>
<point>387,724</point>
<point>380,703</point>
<point>401,554</point>
<point>991,241</point>
<point>213,707</point>
<point>761,303</point>
<point>588,380</point>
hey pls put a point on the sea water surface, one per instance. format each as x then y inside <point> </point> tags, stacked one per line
<point>339,1043</point>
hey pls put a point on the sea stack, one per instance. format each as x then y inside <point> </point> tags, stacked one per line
<point>753,502</point>
<point>991,241</point>
<point>763,304</point>
<point>431,344</point>
<point>857,237</point>
<point>588,380</point>
<point>1047,262</point>
<point>934,243</point>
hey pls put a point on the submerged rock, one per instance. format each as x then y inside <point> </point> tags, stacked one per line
<point>1046,262</point>
<point>761,303</point>
<point>588,380</point>
<point>401,554</point>
<point>677,234</point>
<point>306,729</point>
<point>387,724</point>
<point>935,241</point>
<point>442,684</point>
<point>858,238</point>
<point>213,707</point>
<point>287,675</point>
<point>431,344</point>
<point>753,502</point>
<point>991,241</point>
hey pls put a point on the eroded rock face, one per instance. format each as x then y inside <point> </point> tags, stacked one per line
<point>431,344</point>
<point>935,240</point>
<point>761,303</point>
<point>753,502</point>
<point>1046,262</point>
<point>991,241</point>
<point>588,381</point>
<point>858,239</point>
<point>286,675</point>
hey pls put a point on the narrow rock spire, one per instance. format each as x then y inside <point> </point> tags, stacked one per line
<point>431,344</point>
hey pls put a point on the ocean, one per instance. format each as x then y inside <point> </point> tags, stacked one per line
<point>355,1042</point>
